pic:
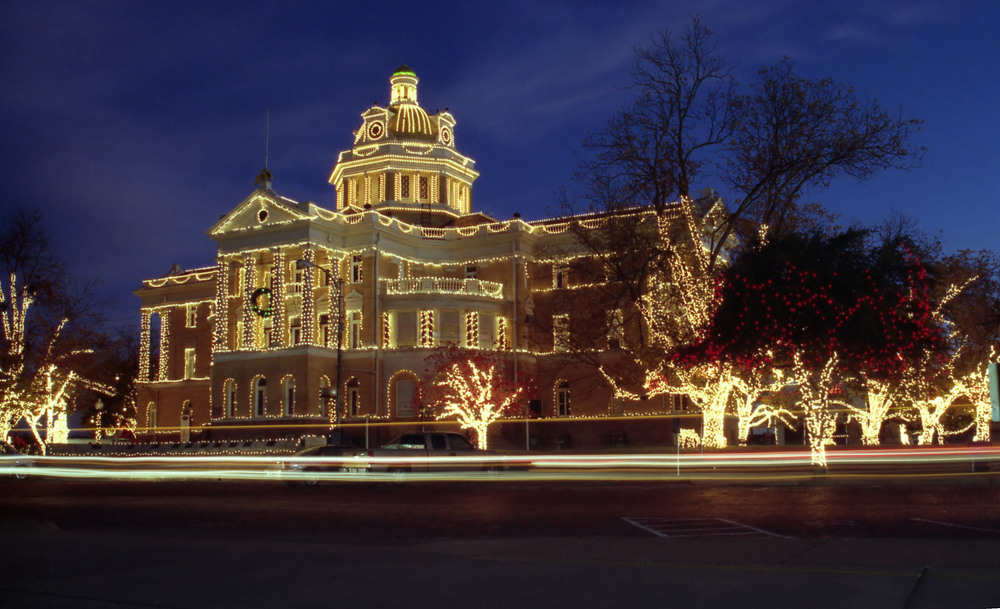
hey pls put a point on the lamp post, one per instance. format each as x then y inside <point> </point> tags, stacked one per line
<point>98,407</point>
<point>339,283</point>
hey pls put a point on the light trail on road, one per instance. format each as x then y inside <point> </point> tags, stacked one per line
<point>744,466</point>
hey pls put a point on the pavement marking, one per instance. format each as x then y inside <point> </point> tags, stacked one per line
<point>697,527</point>
<point>957,526</point>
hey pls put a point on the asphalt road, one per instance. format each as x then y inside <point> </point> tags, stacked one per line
<point>812,509</point>
<point>94,544</point>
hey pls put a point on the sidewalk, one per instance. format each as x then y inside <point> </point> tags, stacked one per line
<point>44,567</point>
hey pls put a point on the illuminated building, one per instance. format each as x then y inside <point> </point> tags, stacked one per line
<point>249,345</point>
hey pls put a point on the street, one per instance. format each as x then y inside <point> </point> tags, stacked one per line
<point>101,544</point>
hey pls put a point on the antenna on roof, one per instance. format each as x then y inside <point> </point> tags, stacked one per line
<point>264,178</point>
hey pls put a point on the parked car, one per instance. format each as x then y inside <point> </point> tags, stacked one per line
<point>330,458</point>
<point>10,457</point>
<point>433,451</point>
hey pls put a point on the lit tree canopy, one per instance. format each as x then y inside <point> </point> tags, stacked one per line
<point>474,387</point>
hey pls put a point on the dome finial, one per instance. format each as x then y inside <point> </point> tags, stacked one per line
<point>403,85</point>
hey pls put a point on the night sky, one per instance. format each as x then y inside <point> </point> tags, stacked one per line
<point>135,125</point>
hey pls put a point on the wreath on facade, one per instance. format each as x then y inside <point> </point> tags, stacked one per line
<point>255,302</point>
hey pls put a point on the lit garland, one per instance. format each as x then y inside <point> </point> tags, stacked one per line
<point>197,275</point>
<point>427,329</point>
<point>308,298</point>
<point>443,285</point>
<point>144,315</point>
<point>279,331</point>
<point>164,360</point>
<point>472,329</point>
<point>247,341</point>
<point>220,325</point>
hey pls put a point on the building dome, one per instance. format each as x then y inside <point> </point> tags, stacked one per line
<point>412,121</point>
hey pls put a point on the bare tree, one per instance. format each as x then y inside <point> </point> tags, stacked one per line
<point>651,153</point>
<point>793,133</point>
<point>43,333</point>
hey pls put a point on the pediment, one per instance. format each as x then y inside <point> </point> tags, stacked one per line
<point>354,300</point>
<point>259,210</point>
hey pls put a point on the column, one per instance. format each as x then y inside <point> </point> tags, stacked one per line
<point>309,298</point>
<point>164,344</point>
<point>249,284</point>
<point>220,324</point>
<point>279,313</point>
<point>144,346</point>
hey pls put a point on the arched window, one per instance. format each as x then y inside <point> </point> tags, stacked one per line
<point>229,398</point>
<point>562,399</point>
<point>151,416</point>
<point>288,395</point>
<point>259,396</point>
<point>402,393</point>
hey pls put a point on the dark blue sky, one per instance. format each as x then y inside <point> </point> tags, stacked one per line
<point>135,125</point>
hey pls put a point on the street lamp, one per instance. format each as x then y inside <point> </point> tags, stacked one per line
<point>98,407</point>
<point>339,283</point>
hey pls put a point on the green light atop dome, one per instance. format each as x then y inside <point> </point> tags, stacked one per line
<point>404,70</point>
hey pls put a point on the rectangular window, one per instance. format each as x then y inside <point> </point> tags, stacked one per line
<point>189,363</point>
<point>562,400</point>
<point>404,187</point>
<point>560,276</point>
<point>357,260</point>
<point>560,332</point>
<point>192,316</point>
<point>297,276</point>
<point>406,328</point>
<point>355,333</point>
<point>231,399</point>
<point>424,189</point>
<point>487,331</point>
<point>236,281</point>
<point>449,327</point>
<point>470,271</point>
<point>353,401</point>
